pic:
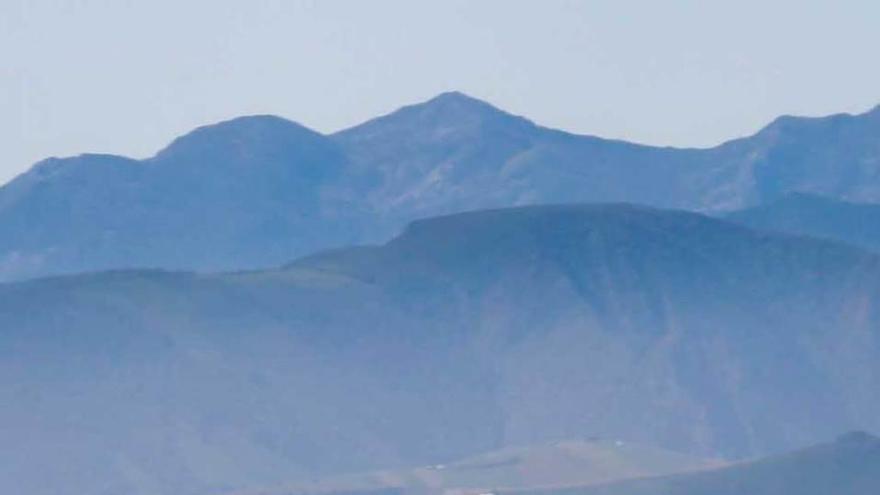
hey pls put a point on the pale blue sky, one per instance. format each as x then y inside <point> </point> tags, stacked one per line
<point>126,76</point>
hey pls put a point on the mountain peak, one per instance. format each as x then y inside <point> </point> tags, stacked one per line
<point>444,112</point>
<point>252,123</point>
<point>457,98</point>
<point>238,135</point>
<point>455,104</point>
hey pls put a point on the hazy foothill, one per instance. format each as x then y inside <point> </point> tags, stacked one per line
<point>448,298</point>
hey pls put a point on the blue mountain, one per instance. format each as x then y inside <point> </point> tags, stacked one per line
<point>260,191</point>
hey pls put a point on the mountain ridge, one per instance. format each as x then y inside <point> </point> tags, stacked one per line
<point>448,95</point>
<point>259,191</point>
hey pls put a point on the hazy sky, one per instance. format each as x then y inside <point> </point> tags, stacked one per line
<point>126,76</point>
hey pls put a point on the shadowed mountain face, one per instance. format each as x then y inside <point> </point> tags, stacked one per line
<point>803,214</point>
<point>466,333</point>
<point>848,466</point>
<point>259,191</point>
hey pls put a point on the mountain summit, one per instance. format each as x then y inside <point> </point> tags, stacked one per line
<point>244,138</point>
<point>453,109</point>
<point>443,118</point>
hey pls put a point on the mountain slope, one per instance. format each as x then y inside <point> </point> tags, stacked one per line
<point>259,191</point>
<point>249,192</point>
<point>467,333</point>
<point>848,466</point>
<point>694,291</point>
<point>803,214</point>
<point>456,153</point>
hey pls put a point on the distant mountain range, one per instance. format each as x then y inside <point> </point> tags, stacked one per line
<point>465,334</point>
<point>259,191</point>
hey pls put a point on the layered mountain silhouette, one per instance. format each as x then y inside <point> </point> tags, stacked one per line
<point>804,214</point>
<point>848,466</point>
<point>466,333</point>
<point>259,191</point>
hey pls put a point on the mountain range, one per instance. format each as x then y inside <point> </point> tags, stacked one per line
<point>256,192</point>
<point>448,298</point>
<point>466,333</point>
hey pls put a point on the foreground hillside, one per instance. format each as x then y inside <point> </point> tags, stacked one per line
<point>848,466</point>
<point>465,334</point>
<point>255,192</point>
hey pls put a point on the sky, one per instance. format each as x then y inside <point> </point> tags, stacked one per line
<point>125,77</point>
